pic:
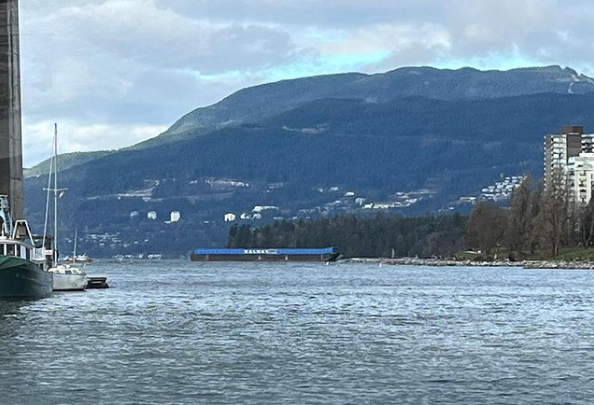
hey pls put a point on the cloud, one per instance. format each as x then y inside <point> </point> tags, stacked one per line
<point>131,67</point>
<point>80,137</point>
<point>128,63</point>
<point>143,32</point>
<point>300,13</point>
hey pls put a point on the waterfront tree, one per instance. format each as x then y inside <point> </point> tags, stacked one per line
<point>555,213</point>
<point>486,227</point>
<point>587,225</point>
<point>534,236</point>
<point>519,218</point>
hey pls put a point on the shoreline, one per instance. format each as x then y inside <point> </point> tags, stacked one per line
<point>527,264</point>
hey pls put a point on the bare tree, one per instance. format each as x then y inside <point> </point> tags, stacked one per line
<point>520,216</point>
<point>555,212</point>
<point>486,227</point>
<point>587,224</point>
<point>534,234</point>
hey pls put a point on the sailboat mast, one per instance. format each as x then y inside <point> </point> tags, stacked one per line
<point>56,193</point>
<point>75,242</point>
<point>50,172</point>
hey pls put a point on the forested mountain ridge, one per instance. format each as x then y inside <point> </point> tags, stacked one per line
<point>259,102</point>
<point>254,104</point>
<point>304,161</point>
<point>67,160</point>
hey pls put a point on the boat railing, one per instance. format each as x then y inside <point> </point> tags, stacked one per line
<point>38,254</point>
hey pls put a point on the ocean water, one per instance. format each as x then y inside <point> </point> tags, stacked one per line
<point>189,333</point>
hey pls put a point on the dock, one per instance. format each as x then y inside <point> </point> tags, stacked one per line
<point>97,283</point>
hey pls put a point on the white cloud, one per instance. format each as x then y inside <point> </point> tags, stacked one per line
<point>133,63</point>
<point>384,37</point>
<point>79,137</point>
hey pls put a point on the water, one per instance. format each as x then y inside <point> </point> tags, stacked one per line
<point>182,333</point>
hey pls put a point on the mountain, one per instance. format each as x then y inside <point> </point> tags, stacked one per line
<point>395,141</point>
<point>67,160</point>
<point>257,103</point>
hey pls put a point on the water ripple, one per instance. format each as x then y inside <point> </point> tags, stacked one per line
<point>181,333</point>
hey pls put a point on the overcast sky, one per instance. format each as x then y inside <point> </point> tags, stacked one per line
<point>115,72</point>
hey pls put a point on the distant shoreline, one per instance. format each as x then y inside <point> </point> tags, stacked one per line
<point>527,264</point>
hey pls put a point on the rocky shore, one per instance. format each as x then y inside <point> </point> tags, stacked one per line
<point>528,264</point>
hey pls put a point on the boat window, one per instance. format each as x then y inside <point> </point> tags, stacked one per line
<point>68,272</point>
<point>11,251</point>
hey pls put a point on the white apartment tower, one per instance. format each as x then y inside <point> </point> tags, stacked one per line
<point>569,163</point>
<point>580,173</point>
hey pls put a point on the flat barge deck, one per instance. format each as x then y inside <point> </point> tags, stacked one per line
<point>265,255</point>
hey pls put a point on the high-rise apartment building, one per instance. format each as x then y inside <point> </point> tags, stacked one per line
<point>580,174</point>
<point>558,150</point>
<point>569,163</point>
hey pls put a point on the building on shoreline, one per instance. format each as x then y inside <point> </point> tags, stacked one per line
<point>569,163</point>
<point>558,150</point>
<point>580,174</point>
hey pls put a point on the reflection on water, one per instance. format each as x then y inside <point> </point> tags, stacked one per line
<point>182,333</point>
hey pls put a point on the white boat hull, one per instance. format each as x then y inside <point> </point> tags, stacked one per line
<point>70,282</point>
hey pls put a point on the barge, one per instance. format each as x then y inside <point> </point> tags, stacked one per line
<point>265,255</point>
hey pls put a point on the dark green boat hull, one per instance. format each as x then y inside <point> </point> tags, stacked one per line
<point>20,278</point>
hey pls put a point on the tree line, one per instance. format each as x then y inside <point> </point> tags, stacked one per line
<point>536,223</point>
<point>539,221</point>
<point>378,236</point>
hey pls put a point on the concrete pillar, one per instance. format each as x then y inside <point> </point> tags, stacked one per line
<point>11,156</point>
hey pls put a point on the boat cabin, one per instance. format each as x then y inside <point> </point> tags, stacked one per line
<point>9,247</point>
<point>16,238</point>
<point>22,248</point>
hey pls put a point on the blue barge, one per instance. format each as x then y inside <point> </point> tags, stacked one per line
<point>265,255</point>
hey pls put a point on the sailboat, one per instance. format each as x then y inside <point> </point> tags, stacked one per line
<point>66,277</point>
<point>83,259</point>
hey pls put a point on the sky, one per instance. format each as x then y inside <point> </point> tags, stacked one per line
<point>112,73</point>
